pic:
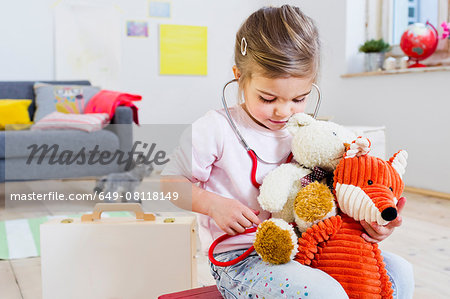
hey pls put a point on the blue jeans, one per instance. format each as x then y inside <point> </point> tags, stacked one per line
<point>253,278</point>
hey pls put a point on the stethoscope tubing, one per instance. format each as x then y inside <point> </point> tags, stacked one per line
<point>253,155</point>
<point>236,130</point>
<point>230,119</point>
<point>255,159</point>
<point>236,260</point>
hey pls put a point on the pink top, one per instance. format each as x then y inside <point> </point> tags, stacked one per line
<point>220,164</point>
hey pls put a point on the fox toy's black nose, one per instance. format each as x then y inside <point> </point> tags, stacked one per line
<point>389,214</point>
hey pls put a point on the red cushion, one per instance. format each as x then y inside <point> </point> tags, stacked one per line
<point>209,292</point>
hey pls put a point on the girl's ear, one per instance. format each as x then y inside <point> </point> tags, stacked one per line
<point>236,72</point>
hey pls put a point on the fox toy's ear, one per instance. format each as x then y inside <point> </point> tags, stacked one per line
<point>297,121</point>
<point>398,162</point>
<point>359,147</point>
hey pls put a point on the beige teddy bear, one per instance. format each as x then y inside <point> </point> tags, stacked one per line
<point>317,147</point>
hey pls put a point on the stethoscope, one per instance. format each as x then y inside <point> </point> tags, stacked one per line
<point>255,159</point>
<point>250,151</point>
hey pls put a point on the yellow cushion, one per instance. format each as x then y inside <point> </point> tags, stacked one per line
<point>14,114</point>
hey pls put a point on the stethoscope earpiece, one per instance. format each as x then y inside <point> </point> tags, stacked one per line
<point>319,99</point>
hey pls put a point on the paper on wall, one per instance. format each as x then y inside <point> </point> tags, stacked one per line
<point>88,43</point>
<point>183,50</point>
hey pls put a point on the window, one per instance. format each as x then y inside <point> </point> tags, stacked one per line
<point>388,19</point>
<point>413,10</point>
<point>407,12</point>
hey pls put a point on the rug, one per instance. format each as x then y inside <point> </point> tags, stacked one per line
<point>20,238</point>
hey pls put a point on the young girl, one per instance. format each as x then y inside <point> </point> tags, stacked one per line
<point>277,61</point>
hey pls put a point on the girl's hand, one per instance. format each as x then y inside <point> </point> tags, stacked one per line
<point>232,216</point>
<point>376,233</point>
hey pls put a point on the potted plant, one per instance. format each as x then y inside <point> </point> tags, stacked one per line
<point>375,52</point>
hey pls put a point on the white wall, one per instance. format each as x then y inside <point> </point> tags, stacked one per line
<point>27,52</point>
<point>413,107</point>
<point>26,40</point>
<point>182,99</point>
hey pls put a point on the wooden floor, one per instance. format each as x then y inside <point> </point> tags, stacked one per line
<point>423,239</point>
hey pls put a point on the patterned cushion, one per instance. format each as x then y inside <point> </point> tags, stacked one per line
<point>62,98</point>
<point>70,121</point>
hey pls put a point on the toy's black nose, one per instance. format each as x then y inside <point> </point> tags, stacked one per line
<point>389,214</point>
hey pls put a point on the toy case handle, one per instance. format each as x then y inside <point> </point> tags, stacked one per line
<point>131,207</point>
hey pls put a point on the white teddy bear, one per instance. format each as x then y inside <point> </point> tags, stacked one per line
<point>317,146</point>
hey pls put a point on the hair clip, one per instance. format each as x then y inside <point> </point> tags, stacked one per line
<point>243,46</point>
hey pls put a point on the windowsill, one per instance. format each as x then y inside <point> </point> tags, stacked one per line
<point>399,71</point>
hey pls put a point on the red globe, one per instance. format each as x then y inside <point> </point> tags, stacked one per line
<point>419,41</point>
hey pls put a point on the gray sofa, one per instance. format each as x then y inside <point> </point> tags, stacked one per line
<point>17,163</point>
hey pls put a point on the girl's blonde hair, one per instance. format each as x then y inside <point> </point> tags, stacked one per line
<point>277,42</point>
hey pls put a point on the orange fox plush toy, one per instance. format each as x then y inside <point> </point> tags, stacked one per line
<point>366,188</point>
